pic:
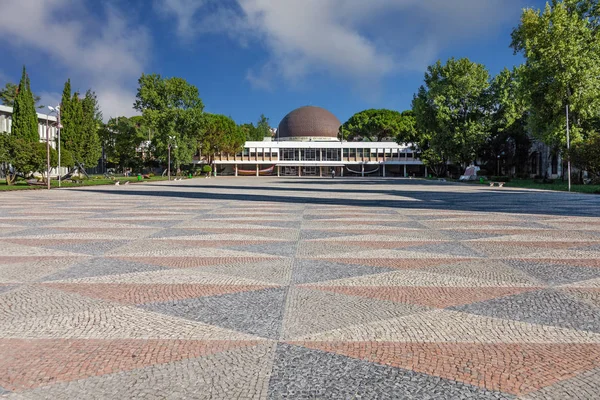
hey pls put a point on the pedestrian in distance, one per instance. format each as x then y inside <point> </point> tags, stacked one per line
<point>332,173</point>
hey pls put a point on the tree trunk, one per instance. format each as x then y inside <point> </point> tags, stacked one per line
<point>10,178</point>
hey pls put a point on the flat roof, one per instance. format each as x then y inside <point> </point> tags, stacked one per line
<point>9,110</point>
<point>326,145</point>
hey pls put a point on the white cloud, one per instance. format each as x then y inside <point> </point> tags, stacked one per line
<point>48,99</point>
<point>183,10</point>
<point>105,53</point>
<point>357,39</point>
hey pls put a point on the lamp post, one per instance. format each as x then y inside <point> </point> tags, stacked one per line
<point>58,126</point>
<point>171,138</point>
<point>47,151</point>
<point>568,149</point>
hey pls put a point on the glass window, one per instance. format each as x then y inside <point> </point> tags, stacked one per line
<point>331,155</point>
<point>310,155</point>
<point>289,155</point>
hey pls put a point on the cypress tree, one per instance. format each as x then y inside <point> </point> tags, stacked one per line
<point>25,121</point>
<point>66,119</point>
<point>91,147</point>
<point>77,135</point>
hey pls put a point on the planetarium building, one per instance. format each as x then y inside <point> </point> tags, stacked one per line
<point>307,143</point>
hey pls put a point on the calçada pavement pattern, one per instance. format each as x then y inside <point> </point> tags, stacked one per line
<point>262,288</point>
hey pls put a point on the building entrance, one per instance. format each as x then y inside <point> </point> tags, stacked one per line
<point>310,171</point>
<point>289,171</point>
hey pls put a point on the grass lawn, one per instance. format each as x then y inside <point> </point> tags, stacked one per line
<point>558,185</point>
<point>22,185</point>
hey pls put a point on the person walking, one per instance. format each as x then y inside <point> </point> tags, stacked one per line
<point>332,173</point>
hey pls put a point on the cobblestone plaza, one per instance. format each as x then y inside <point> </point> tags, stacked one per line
<point>298,288</point>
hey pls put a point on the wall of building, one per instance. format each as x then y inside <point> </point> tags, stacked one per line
<point>47,125</point>
<point>315,158</point>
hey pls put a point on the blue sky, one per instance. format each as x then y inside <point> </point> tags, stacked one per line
<point>249,57</point>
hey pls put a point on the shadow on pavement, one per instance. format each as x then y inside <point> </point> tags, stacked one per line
<point>436,198</point>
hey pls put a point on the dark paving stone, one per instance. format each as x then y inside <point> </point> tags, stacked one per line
<point>465,235</point>
<point>101,267</point>
<point>300,373</point>
<point>94,249</point>
<point>546,307</point>
<point>310,234</point>
<point>32,232</point>
<point>555,274</point>
<point>286,249</point>
<point>449,248</point>
<point>258,312</point>
<point>155,224</point>
<point>6,288</point>
<point>277,224</point>
<point>307,271</point>
<point>174,233</point>
<point>595,247</point>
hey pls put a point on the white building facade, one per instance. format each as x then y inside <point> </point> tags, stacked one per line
<point>319,158</point>
<point>47,129</point>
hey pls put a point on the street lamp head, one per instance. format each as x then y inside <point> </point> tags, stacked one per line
<point>51,108</point>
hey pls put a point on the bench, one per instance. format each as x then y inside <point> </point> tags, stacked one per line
<point>500,184</point>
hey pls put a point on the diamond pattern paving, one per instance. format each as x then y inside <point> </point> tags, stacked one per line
<point>299,289</point>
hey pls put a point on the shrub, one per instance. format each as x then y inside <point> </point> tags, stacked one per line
<point>206,169</point>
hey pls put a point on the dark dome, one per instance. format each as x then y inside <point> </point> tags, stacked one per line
<point>307,122</point>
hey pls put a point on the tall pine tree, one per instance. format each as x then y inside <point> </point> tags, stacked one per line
<point>91,148</point>
<point>76,143</point>
<point>25,121</point>
<point>66,118</point>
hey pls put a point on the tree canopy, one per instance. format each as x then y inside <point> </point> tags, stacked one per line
<point>121,138</point>
<point>377,125</point>
<point>452,108</point>
<point>221,134</point>
<point>8,94</point>
<point>561,46</point>
<point>172,108</point>
<point>24,119</point>
<point>259,132</point>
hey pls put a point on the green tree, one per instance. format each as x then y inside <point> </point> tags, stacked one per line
<point>24,118</point>
<point>452,109</point>
<point>586,155</point>
<point>432,160</point>
<point>20,151</point>
<point>263,128</point>
<point>561,46</point>
<point>173,109</point>
<point>92,119</point>
<point>374,125</point>
<point>8,94</point>
<point>407,128</point>
<point>75,142</point>
<point>221,134</point>
<point>250,132</point>
<point>509,140</point>
<point>121,138</point>
<point>69,127</point>
<point>259,132</point>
